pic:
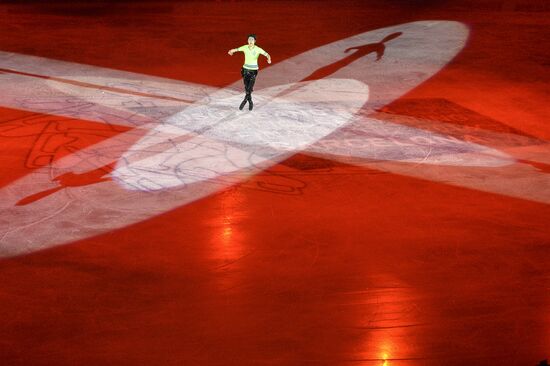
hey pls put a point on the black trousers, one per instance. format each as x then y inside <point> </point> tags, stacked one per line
<point>249,78</point>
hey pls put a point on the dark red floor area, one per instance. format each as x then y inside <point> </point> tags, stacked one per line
<point>312,261</point>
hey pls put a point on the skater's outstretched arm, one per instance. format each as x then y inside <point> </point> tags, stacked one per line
<point>232,51</point>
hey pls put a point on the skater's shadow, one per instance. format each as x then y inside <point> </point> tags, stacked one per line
<point>72,180</point>
<point>360,51</point>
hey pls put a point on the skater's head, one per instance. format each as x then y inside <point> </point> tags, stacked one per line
<point>251,39</point>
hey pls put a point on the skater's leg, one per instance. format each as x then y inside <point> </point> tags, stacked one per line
<point>251,79</point>
<point>244,74</point>
<point>250,88</point>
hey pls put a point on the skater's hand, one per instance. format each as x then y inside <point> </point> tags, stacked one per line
<point>269,60</point>
<point>231,52</point>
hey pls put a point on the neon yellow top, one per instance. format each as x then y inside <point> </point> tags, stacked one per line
<point>251,56</point>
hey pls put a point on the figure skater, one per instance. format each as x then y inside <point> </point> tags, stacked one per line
<point>250,68</point>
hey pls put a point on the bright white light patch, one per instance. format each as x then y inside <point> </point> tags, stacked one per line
<point>219,140</point>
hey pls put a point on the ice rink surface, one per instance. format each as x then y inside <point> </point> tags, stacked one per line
<point>385,203</point>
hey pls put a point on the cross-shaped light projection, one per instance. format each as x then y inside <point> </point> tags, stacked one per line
<point>179,141</point>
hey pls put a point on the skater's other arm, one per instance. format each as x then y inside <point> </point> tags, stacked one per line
<point>266,55</point>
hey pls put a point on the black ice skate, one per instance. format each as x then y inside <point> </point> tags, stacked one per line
<point>242,104</point>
